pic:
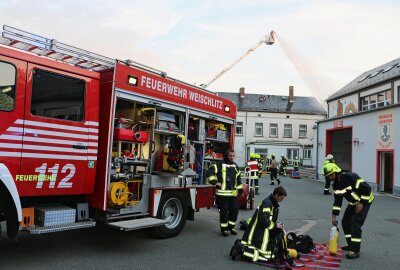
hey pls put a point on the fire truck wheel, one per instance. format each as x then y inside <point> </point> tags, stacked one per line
<point>174,209</point>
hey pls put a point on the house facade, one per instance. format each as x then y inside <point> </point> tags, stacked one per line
<point>360,131</point>
<point>270,124</point>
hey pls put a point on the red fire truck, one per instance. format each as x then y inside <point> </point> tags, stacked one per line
<point>85,138</point>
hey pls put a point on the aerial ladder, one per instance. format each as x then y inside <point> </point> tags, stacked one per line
<point>268,40</point>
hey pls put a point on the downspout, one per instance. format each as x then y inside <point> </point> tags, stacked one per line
<point>245,141</point>
<point>316,158</point>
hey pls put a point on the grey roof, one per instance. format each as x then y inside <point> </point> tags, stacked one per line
<point>272,103</point>
<point>368,78</point>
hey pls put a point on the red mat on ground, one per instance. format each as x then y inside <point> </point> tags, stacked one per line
<point>318,259</point>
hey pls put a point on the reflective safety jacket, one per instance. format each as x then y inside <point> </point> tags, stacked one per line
<point>351,187</point>
<point>326,161</point>
<point>257,232</point>
<point>228,174</point>
<point>254,169</point>
<point>296,163</point>
<point>284,162</point>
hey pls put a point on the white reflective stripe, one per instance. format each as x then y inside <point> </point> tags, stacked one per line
<point>359,181</point>
<point>358,240</point>
<point>45,140</point>
<point>224,225</point>
<point>47,148</point>
<point>49,156</point>
<point>336,208</point>
<point>343,190</point>
<point>347,235</point>
<point>49,125</point>
<point>51,133</point>
<point>232,222</point>
<point>91,123</point>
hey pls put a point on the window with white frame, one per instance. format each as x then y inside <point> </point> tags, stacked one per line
<point>287,131</point>
<point>258,131</point>
<point>273,130</point>
<point>239,128</point>
<point>303,131</point>
<point>307,153</point>
<point>377,100</point>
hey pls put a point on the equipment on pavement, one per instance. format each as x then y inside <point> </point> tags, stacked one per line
<point>333,240</point>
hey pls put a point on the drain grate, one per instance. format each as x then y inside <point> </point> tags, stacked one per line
<point>393,220</point>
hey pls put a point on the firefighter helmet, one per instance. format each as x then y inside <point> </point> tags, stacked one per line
<point>329,157</point>
<point>252,155</point>
<point>331,168</point>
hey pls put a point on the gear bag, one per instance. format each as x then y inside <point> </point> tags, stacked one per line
<point>301,243</point>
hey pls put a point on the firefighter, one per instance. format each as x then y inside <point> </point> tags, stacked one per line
<point>252,163</point>
<point>267,164</point>
<point>296,164</point>
<point>259,164</point>
<point>359,195</point>
<point>274,170</point>
<point>283,165</point>
<point>328,159</point>
<point>225,176</point>
<point>263,228</point>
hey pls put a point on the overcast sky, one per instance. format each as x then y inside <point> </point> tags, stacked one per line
<point>329,42</point>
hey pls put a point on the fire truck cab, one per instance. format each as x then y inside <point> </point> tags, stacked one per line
<point>85,138</point>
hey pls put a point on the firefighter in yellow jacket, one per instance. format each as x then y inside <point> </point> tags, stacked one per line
<point>225,176</point>
<point>263,229</point>
<point>328,159</point>
<point>358,193</point>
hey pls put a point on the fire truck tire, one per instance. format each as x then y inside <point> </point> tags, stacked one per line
<point>173,207</point>
<point>9,213</point>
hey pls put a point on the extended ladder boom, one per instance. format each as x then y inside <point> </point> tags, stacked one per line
<point>269,40</point>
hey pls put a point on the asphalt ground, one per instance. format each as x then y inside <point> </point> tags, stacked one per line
<point>200,245</point>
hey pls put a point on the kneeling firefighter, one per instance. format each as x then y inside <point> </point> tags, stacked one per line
<point>264,234</point>
<point>225,176</point>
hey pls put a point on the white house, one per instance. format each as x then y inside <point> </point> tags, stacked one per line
<point>361,127</point>
<point>269,124</point>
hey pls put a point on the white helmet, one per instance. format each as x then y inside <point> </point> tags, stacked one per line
<point>329,157</point>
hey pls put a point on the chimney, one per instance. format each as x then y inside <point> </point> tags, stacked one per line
<point>241,92</point>
<point>291,94</point>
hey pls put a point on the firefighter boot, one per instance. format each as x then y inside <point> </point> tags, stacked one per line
<point>352,255</point>
<point>346,248</point>
<point>224,233</point>
<point>279,181</point>
<point>233,231</point>
<point>257,191</point>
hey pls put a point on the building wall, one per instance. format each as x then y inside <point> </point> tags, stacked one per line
<point>367,129</point>
<point>248,141</point>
